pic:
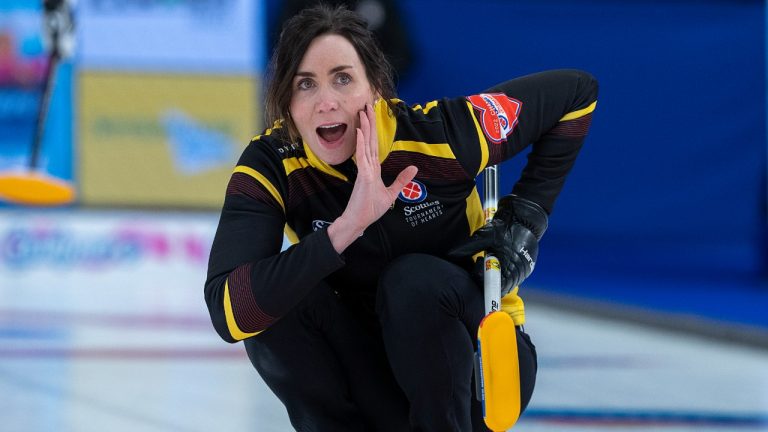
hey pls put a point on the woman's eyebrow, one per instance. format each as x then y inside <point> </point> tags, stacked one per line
<point>330,72</point>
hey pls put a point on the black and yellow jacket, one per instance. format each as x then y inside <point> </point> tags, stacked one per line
<point>279,186</point>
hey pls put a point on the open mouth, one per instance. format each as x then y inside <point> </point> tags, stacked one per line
<point>331,133</point>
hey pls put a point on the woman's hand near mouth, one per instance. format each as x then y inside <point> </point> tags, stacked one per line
<point>370,198</point>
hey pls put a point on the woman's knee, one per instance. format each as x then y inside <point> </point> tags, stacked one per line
<point>418,281</point>
<point>299,330</point>
<point>528,364</point>
<point>407,276</point>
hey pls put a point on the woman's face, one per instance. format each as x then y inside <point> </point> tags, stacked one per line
<point>329,90</point>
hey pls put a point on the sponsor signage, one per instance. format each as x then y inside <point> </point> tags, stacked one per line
<point>162,140</point>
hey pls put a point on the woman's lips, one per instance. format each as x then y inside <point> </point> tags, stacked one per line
<point>331,135</point>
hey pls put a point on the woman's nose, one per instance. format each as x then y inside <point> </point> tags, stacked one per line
<point>327,100</point>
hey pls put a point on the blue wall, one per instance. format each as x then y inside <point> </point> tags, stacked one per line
<point>671,180</point>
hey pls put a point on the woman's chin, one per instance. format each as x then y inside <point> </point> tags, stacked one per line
<point>334,152</point>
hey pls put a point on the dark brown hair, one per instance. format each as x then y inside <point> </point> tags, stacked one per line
<point>295,37</point>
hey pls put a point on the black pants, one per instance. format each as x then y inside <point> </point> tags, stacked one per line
<point>414,371</point>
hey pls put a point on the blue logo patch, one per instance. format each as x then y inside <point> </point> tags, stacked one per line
<point>413,192</point>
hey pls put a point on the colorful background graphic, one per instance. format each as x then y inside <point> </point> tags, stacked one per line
<point>23,59</point>
<point>155,140</point>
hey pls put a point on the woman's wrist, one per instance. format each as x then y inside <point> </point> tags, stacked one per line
<point>343,233</point>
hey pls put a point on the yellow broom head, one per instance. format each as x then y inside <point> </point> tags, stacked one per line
<point>35,189</point>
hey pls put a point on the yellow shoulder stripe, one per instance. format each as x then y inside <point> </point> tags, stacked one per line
<point>234,330</point>
<point>580,113</point>
<point>386,126</point>
<point>268,132</point>
<point>426,108</point>
<point>263,180</point>
<point>293,164</point>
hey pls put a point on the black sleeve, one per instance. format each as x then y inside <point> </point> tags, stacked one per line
<point>554,117</point>
<point>250,282</point>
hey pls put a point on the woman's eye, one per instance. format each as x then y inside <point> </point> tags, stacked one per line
<point>343,79</point>
<point>304,84</point>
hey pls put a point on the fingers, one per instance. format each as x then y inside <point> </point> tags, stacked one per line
<point>374,137</point>
<point>360,148</point>
<point>402,179</point>
<point>370,137</point>
<point>474,245</point>
<point>481,240</point>
<point>363,138</point>
<point>511,276</point>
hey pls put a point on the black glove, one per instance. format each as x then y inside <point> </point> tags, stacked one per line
<point>512,236</point>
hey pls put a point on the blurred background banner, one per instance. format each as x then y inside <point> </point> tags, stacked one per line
<point>166,140</point>
<point>120,259</point>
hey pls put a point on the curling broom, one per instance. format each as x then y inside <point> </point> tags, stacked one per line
<point>496,338</point>
<point>30,186</point>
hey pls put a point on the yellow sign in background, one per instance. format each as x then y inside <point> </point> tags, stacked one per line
<point>162,140</point>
